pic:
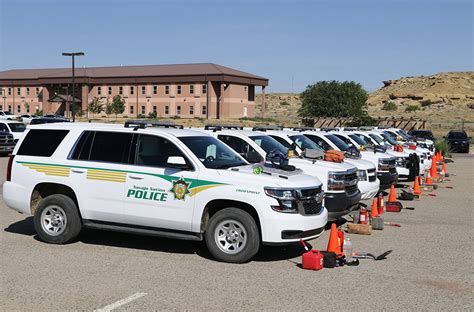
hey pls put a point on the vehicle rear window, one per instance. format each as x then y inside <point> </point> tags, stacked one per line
<point>41,143</point>
<point>112,147</point>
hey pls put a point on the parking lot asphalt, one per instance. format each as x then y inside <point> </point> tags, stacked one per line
<point>431,267</point>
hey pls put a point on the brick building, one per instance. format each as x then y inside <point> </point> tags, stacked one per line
<point>185,90</point>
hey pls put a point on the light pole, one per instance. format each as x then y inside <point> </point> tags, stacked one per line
<point>73,54</point>
<point>4,99</point>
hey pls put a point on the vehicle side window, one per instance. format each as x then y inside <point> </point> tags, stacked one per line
<point>113,147</point>
<point>153,151</point>
<point>42,142</point>
<point>281,141</point>
<point>82,148</point>
<point>3,127</point>
<point>325,146</point>
<point>237,144</point>
<point>344,139</point>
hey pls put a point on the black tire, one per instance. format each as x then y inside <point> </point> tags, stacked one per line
<point>252,244</point>
<point>73,222</point>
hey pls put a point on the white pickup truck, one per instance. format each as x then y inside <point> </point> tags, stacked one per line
<point>8,116</point>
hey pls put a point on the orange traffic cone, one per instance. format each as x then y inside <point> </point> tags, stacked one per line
<point>393,194</point>
<point>433,171</point>
<point>333,244</point>
<point>374,212</point>
<point>429,180</point>
<point>445,171</point>
<point>416,187</point>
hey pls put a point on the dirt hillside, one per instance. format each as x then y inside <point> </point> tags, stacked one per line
<point>444,100</point>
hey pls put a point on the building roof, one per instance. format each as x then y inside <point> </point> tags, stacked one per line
<point>172,72</point>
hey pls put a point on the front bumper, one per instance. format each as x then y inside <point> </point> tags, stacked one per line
<point>282,228</point>
<point>368,189</point>
<point>387,178</point>
<point>341,204</point>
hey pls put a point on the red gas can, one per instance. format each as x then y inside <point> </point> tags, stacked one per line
<point>363,216</point>
<point>313,260</point>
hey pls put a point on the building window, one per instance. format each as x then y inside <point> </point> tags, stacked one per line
<point>131,109</point>
<point>18,108</point>
<point>120,90</point>
<point>191,89</point>
<point>178,110</point>
<point>167,110</point>
<point>245,88</point>
<point>155,109</point>
<point>9,91</point>
<point>132,90</point>
<point>155,89</point>
<point>110,90</point>
<point>204,89</point>
<point>191,110</point>
<point>167,89</point>
<point>37,91</point>
<point>99,90</point>
<point>143,110</point>
<point>27,108</point>
<point>204,110</point>
<point>10,108</point>
<point>18,91</point>
<point>178,90</point>
<point>143,90</point>
<point>27,91</point>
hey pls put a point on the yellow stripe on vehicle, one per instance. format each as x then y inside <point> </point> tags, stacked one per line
<point>199,189</point>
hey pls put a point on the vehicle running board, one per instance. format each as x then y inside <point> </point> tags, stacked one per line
<point>142,230</point>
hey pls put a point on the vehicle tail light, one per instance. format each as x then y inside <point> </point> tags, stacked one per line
<point>9,167</point>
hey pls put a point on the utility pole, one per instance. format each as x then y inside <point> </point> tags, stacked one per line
<point>73,54</point>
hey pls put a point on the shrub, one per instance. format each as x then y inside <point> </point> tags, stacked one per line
<point>257,119</point>
<point>364,120</point>
<point>442,146</point>
<point>175,117</point>
<point>152,115</point>
<point>412,108</point>
<point>284,103</point>
<point>140,116</point>
<point>390,106</point>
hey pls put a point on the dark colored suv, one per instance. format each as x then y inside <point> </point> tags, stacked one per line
<point>422,134</point>
<point>458,141</point>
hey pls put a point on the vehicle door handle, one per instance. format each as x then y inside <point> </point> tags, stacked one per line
<point>77,171</point>
<point>135,177</point>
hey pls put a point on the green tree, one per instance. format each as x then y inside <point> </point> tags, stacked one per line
<point>118,105</point>
<point>333,99</point>
<point>95,106</point>
<point>390,106</point>
<point>108,107</point>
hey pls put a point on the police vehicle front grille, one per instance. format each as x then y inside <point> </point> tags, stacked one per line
<point>351,189</point>
<point>350,178</point>
<point>312,207</point>
<point>6,139</point>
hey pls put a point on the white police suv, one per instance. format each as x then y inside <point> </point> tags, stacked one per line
<point>158,181</point>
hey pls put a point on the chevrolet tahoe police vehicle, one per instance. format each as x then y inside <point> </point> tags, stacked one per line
<point>368,183</point>
<point>340,183</point>
<point>158,181</point>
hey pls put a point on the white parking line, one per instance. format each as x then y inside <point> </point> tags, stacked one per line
<point>121,302</point>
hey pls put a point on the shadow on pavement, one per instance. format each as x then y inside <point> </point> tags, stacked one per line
<point>133,241</point>
<point>23,227</point>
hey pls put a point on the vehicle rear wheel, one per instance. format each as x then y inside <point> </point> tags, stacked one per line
<point>57,219</point>
<point>232,236</point>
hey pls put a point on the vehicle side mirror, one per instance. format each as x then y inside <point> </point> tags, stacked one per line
<point>177,162</point>
<point>252,157</point>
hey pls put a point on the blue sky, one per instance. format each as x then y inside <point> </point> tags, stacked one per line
<point>293,43</point>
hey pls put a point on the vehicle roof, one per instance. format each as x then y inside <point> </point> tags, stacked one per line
<point>116,127</point>
<point>457,131</point>
<point>11,121</point>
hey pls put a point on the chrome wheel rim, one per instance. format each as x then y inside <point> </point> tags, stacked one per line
<point>53,220</point>
<point>230,236</point>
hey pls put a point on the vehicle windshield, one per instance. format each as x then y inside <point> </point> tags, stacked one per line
<point>389,138</point>
<point>17,127</point>
<point>357,139</point>
<point>404,135</point>
<point>304,143</point>
<point>422,134</point>
<point>338,142</point>
<point>7,113</point>
<point>377,138</point>
<point>457,135</point>
<point>212,153</point>
<point>268,144</point>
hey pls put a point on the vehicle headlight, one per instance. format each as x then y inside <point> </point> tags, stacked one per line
<point>336,181</point>
<point>362,175</point>
<point>401,162</point>
<point>286,199</point>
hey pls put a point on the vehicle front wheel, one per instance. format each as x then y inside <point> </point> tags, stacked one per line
<point>57,219</point>
<point>232,236</point>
